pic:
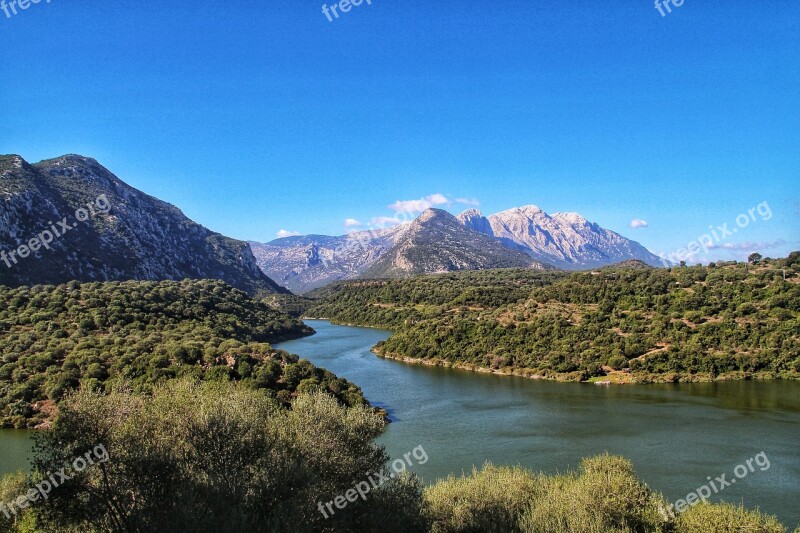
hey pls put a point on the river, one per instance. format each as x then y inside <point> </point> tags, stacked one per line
<point>676,435</point>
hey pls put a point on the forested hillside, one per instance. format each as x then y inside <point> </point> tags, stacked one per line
<point>56,338</point>
<point>726,321</point>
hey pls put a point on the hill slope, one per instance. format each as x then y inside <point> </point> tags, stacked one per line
<point>56,338</point>
<point>126,234</point>
<point>436,242</point>
<point>699,323</point>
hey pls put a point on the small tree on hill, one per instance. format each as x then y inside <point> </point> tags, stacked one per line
<point>754,258</point>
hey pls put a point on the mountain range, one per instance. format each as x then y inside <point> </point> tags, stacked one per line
<point>564,240</point>
<point>101,229</point>
<point>523,237</point>
<point>69,218</point>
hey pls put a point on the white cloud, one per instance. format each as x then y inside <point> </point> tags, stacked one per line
<point>426,202</point>
<point>467,201</point>
<point>748,246</point>
<point>351,223</point>
<point>284,233</point>
<point>380,222</point>
<point>418,206</point>
<point>638,223</point>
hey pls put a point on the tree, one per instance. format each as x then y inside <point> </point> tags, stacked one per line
<point>237,461</point>
<point>754,258</point>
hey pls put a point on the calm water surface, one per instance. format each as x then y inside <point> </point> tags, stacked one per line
<point>15,450</point>
<point>676,435</point>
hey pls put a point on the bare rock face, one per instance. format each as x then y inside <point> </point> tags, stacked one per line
<point>307,262</point>
<point>125,234</point>
<point>438,242</point>
<point>564,240</point>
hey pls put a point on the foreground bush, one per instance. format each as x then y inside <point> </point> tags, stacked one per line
<point>706,518</point>
<point>604,496</point>
<point>492,499</point>
<point>214,457</point>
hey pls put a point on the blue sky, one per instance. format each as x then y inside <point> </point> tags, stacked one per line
<point>255,117</point>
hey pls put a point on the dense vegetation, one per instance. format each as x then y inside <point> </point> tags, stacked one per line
<point>722,321</point>
<point>291,304</point>
<point>238,461</point>
<point>56,338</point>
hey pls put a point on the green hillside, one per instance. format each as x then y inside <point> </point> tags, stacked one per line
<point>727,321</point>
<point>56,338</point>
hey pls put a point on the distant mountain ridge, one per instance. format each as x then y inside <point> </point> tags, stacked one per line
<point>307,262</point>
<point>139,237</point>
<point>527,237</point>
<point>437,242</point>
<point>142,237</point>
<point>564,240</point>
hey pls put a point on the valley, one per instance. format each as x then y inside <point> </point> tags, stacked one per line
<point>154,318</point>
<point>424,268</point>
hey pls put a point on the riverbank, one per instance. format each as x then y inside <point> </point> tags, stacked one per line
<point>612,377</point>
<point>694,324</point>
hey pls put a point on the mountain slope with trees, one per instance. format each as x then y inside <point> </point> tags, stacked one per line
<point>726,321</point>
<point>54,339</point>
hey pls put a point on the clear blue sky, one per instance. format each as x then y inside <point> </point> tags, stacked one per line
<point>259,116</point>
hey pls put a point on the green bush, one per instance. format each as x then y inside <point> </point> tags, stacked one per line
<point>215,456</point>
<point>707,518</point>
<point>492,499</point>
<point>604,496</point>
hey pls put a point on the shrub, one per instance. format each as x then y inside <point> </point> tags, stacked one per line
<point>492,499</point>
<point>216,456</point>
<point>708,518</point>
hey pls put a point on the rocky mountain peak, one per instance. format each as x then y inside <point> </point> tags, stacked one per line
<point>433,214</point>
<point>474,220</point>
<point>470,213</point>
<point>530,209</point>
<point>571,218</point>
<point>565,240</point>
<point>130,236</point>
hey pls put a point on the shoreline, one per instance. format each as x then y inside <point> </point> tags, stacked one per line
<point>612,378</point>
<point>574,377</point>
